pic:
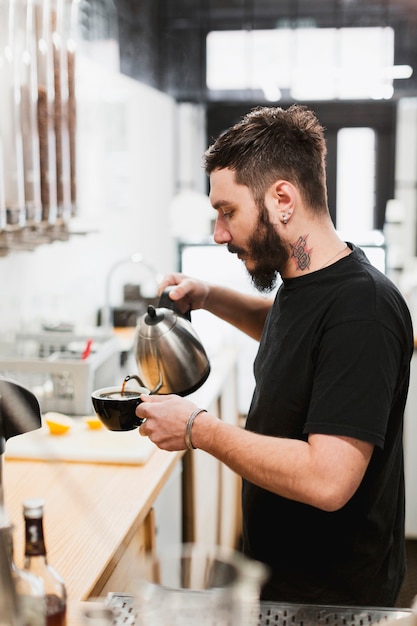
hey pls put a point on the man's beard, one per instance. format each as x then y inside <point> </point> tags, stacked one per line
<point>268,252</point>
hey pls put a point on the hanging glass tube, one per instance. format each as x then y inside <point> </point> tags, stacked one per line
<point>45,111</point>
<point>2,200</point>
<point>71,37</point>
<point>24,28</point>
<point>61,111</point>
<point>10,129</point>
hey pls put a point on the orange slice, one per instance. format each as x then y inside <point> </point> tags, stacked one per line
<point>57,423</point>
<point>93,422</point>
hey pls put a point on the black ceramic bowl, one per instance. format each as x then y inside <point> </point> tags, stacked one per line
<point>116,410</point>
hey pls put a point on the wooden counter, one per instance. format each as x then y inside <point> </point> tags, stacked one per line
<point>92,513</point>
<point>99,516</point>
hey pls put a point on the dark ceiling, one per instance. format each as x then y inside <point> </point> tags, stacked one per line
<point>265,13</point>
<point>162,42</point>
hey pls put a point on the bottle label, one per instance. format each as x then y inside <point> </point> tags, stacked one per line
<point>35,544</point>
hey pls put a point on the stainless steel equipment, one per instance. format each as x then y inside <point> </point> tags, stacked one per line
<point>317,615</point>
<point>169,354</point>
<point>277,614</point>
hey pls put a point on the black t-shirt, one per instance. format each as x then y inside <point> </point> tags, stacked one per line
<point>334,359</point>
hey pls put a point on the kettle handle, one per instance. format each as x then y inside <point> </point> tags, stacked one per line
<point>166,302</point>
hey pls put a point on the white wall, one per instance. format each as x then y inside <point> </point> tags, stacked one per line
<point>403,243</point>
<point>125,184</point>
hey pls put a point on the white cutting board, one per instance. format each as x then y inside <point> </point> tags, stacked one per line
<point>81,444</point>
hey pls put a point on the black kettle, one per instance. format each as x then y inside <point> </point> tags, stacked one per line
<point>169,354</point>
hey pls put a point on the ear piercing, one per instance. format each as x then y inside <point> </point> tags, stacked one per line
<point>286,217</point>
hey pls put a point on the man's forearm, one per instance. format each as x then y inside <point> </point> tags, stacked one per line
<point>245,312</point>
<point>323,472</point>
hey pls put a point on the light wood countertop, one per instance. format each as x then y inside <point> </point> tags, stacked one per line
<point>91,511</point>
<point>94,511</point>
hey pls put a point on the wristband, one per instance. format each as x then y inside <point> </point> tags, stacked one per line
<point>187,436</point>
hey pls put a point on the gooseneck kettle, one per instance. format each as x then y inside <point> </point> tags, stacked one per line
<point>169,354</point>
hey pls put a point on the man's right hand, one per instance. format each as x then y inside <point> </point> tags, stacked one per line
<point>188,293</point>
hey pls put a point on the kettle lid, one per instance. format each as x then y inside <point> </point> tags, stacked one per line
<point>154,316</point>
<point>155,323</point>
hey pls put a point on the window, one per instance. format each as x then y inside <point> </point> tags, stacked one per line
<point>305,63</point>
<point>355,180</point>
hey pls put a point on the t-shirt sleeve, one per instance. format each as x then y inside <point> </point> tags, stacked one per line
<point>357,372</point>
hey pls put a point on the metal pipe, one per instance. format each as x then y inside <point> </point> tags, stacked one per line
<point>107,314</point>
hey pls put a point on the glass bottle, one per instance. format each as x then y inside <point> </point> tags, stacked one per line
<point>36,562</point>
<point>10,614</point>
<point>29,588</point>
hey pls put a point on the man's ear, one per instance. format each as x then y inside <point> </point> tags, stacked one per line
<point>280,200</point>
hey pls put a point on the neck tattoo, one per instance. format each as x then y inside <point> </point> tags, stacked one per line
<point>333,257</point>
<point>301,254</point>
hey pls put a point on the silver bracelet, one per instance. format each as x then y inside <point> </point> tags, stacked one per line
<point>187,436</point>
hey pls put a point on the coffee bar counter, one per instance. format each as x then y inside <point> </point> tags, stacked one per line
<point>95,514</point>
<point>99,516</point>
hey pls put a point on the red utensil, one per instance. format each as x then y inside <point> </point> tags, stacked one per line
<point>87,350</point>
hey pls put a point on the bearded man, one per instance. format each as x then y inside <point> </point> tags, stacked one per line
<point>321,455</point>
